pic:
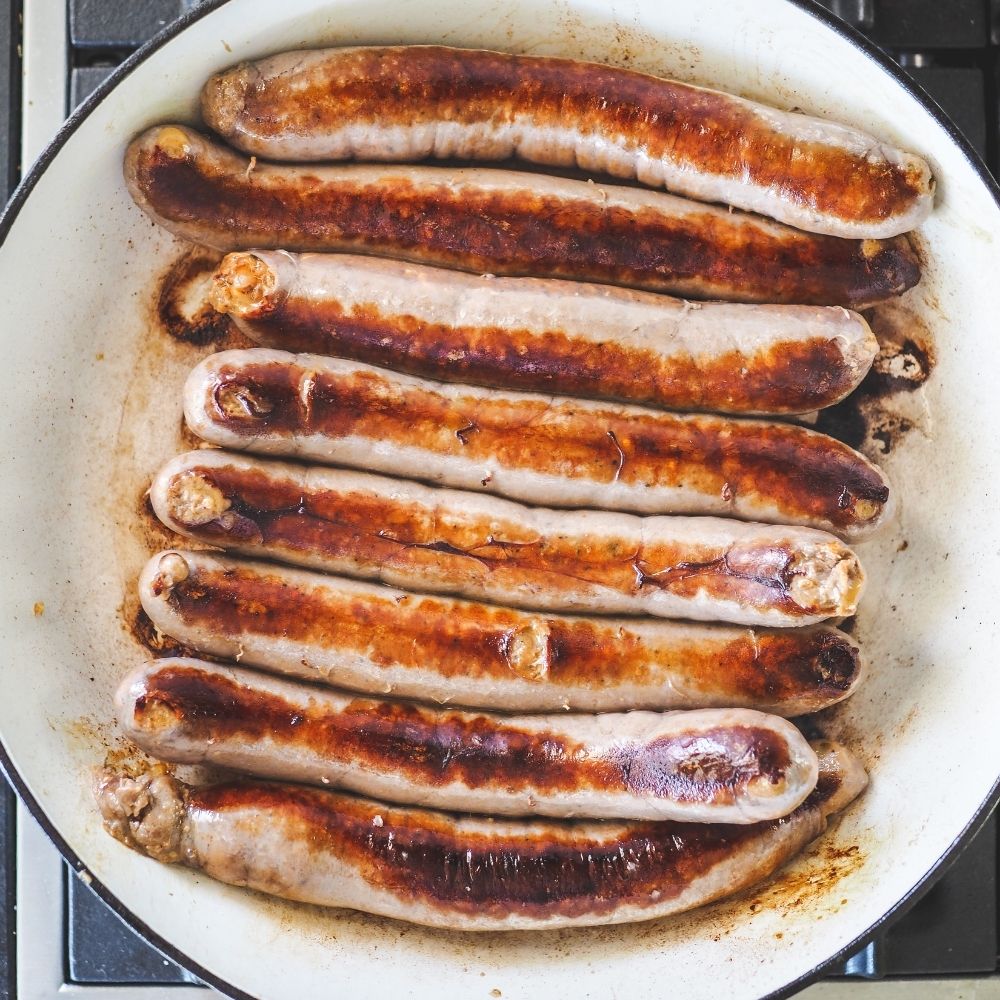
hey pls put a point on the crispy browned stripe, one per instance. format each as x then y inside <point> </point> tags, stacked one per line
<point>268,510</point>
<point>710,132</point>
<point>798,376</point>
<point>804,474</point>
<point>440,747</point>
<point>519,232</point>
<point>417,855</point>
<point>467,639</point>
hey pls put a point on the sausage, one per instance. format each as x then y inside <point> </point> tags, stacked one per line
<point>452,542</point>
<point>464,873</point>
<point>381,641</point>
<point>702,766</point>
<point>546,450</point>
<point>535,334</point>
<point>418,101</point>
<point>503,222</point>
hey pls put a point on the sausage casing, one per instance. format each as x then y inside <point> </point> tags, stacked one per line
<point>703,766</point>
<point>382,641</point>
<point>465,873</point>
<point>545,450</point>
<point>566,337</point>
<point>503,222</point>
<point>418,101</point>
<point>471,545</point>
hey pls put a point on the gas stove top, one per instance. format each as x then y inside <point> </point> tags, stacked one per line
<point>56,937</point>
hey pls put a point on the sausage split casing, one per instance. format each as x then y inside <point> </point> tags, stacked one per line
<point>546,450</point>
<point>447,541</point>
<point>703,766</point>
<point>412,102</point>
<point>536,334</point>
<point>465,873</point>
<point>503,222</point>
<point>377,640</point>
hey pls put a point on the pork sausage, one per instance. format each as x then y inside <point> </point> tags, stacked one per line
<point>536,334</point>
<point>729,765</point>
<point>377,640</point>
<point>503,222</point>
<point>447,541</point>
<point>547,450</point>
<point>416,101</point>
<point>465,873</point>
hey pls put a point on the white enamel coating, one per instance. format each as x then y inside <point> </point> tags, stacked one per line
<point>92,406</point>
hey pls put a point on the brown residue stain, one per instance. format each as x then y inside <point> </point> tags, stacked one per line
<point>812,881</point>
<point>906,358</point>
<point>155,534</point>
<point>182,303</point>
<point>89,730</point>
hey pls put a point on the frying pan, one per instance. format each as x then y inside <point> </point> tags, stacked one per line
<point>91,407</point>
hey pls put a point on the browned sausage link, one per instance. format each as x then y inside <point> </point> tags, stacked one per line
<point>538,449</point>
<point>484,547</point>
<point>371,638</point>
<point>407,102</point>
<point>460,872</point>
<point>575,339</point>
<point>504,222</point>
<point>729,765</point>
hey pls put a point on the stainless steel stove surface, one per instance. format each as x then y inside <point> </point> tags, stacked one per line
<point>57,939</point>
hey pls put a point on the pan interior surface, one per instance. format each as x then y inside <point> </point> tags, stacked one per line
<point>93,407</point>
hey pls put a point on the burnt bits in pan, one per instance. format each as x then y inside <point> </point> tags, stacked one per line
<point>181,300</point>
<point>874,418</point>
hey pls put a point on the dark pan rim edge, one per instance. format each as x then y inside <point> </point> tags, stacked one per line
<point>7,219</point>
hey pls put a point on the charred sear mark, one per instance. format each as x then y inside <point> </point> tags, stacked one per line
<point>887,430</point>
<point>794,377</point>
<point>182,301</point>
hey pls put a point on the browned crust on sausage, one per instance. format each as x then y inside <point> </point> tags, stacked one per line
<point>806,476</point>
<point>423,857</point>
<point>270,511</point>
<point>441,747</point>
<point>792,377</point>
<point>214,198</point>
<point>468,639</point>
<point>704,130</point>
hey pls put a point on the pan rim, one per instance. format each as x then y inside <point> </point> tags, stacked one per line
<point>7,219</point>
